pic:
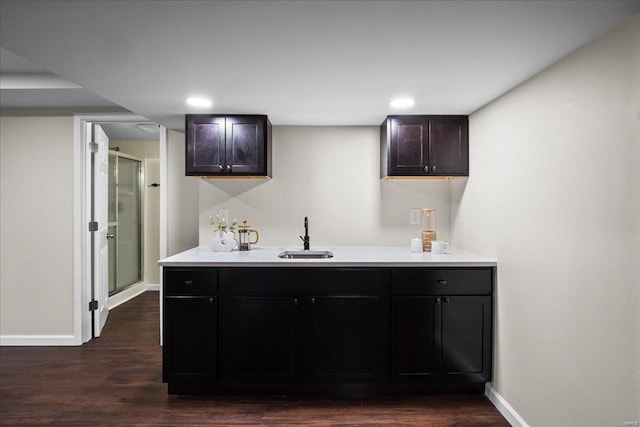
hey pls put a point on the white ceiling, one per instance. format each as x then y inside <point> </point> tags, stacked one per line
<point>300,62</point>
<point>24,84</point>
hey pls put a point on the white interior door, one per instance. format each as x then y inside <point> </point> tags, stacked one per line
<point>101,216</point>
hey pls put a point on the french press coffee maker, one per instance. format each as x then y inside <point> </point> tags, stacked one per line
<point>243,235</point>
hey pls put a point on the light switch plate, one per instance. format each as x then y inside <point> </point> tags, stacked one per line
<point>415,216</point>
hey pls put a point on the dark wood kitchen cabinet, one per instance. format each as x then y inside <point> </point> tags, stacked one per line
<point>300,325</point>
<point>466,338</point>
<point>261,338</point>
<point>415,338</point>
<point>190,325</point>
<point>330,330</point>
<point>226,146</point>
<point>422,146</point>
<point>345,339</point>
<point>441,325</point>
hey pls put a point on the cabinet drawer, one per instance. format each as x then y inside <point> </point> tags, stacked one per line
<point>297,281</point>
<point>190,281</point>
<point>441,281</point>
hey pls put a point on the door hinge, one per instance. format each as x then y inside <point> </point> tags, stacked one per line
<point>93,305</point>
<point>93,147</point>
<point>93,226</point>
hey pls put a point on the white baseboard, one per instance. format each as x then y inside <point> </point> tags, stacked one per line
<point>130,293</point>
<point>70,340</point>
<point>38,340</point>
<point>503,407</point>
<point>124,296</point>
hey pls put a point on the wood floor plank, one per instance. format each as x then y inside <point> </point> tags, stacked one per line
<point>116,380</point>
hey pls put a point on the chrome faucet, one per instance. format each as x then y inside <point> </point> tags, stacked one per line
<point>305,239</point>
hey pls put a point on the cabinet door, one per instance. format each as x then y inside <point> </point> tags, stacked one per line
<point>190,338</point>
<point>415,338</point>
<point>408,145</point>
<point>466,338</point>
<point>261,338</point>
<point>245,145</point>
<point>205,145</point>
<point>448,145</point>
<point>344,338</point>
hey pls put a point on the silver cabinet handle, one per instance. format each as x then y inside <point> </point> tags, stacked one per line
<point>111,236</point>
<point>228,168</point>
<point>221,168</point>
<point>433,168</point>
<point>426,169</point>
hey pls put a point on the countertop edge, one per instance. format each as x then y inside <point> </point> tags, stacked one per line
<point>331,264</point>
<point>356,256</point>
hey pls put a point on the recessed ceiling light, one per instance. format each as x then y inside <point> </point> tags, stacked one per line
<point>199,102</point>
<point>402,103</point>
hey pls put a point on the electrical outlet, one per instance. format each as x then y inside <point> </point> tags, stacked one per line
<point>415,216</point>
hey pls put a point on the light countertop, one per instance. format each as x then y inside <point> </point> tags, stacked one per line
<point>343,256</point>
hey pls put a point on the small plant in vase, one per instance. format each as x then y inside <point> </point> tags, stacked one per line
<point>224,239</point>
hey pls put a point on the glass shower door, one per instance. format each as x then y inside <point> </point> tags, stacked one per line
<point>125,222</point>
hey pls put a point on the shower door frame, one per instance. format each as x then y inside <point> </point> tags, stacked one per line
<point>142,189</point>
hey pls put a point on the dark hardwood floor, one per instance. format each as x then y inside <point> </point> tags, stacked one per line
<point>116,380</point>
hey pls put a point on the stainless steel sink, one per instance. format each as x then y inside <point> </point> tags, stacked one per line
<point>306,254</point>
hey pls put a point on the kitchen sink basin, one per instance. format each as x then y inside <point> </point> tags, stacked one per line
<point>305,254</point>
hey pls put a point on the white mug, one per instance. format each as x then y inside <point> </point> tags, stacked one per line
<point>416,245</point>
<point>439,247</point>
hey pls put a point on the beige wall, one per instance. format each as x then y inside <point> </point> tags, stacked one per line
<point>182,196</point>
<point>554,194</point>
<point>36,226</point>
<point>36,220</point>
<point>331,175</point>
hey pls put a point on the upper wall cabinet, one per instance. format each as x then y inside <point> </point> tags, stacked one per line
<point>423,146</point>
<point>224,145</point>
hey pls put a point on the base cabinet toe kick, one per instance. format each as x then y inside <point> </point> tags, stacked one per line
<point>327,330</point>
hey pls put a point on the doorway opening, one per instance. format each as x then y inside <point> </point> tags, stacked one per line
<point>134,209</point>
<point>115,252</point>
